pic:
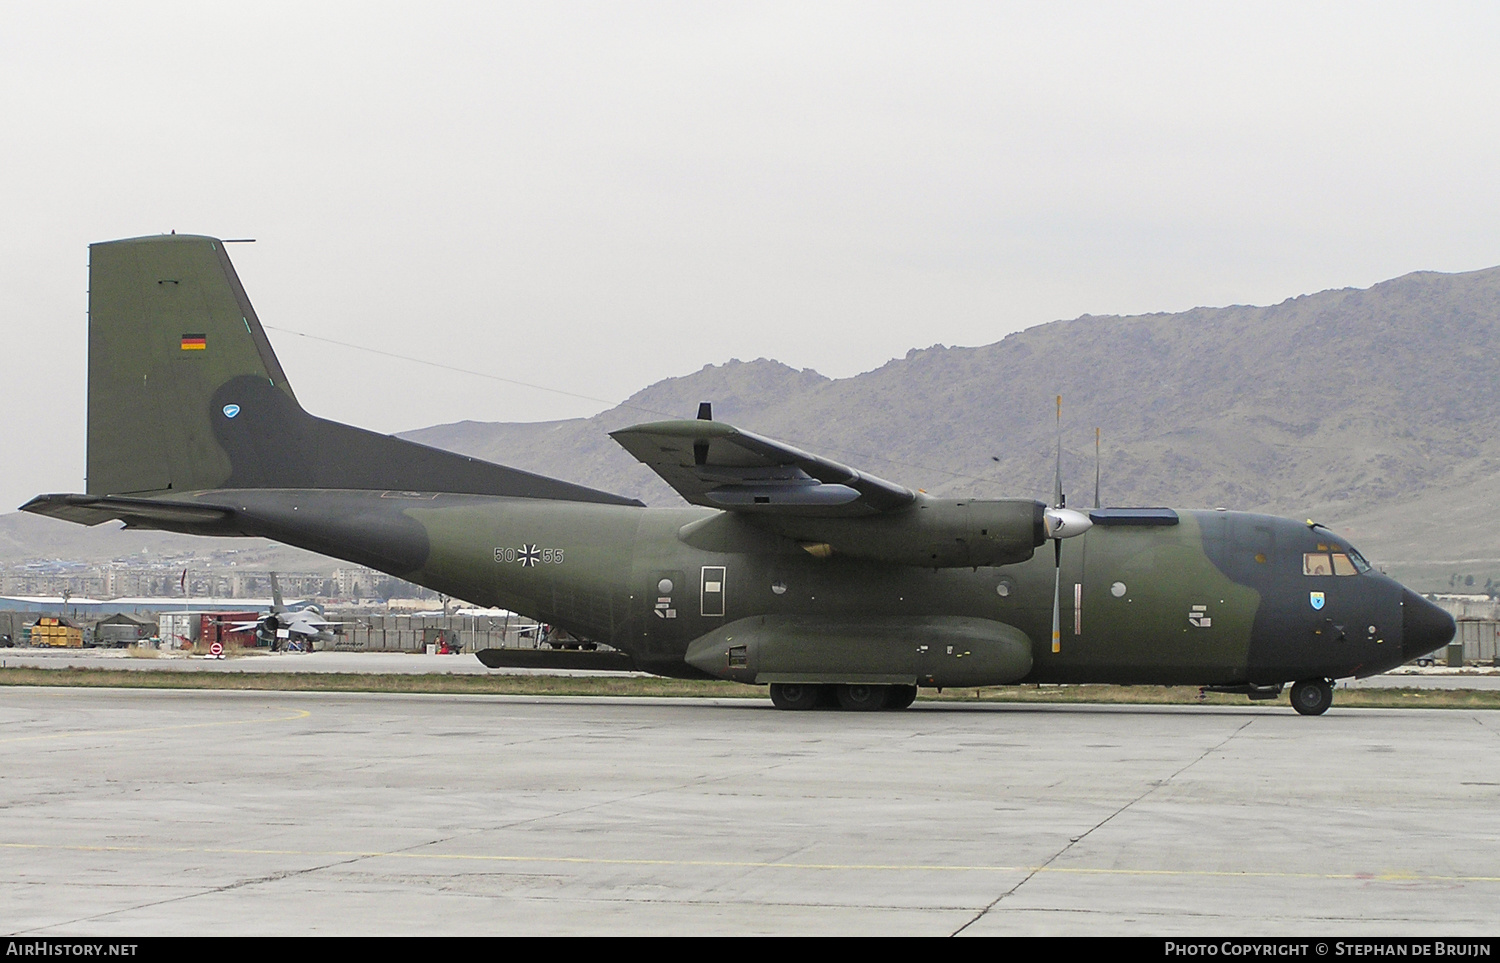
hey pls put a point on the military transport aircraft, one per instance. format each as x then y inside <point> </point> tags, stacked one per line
<point>786,568</point>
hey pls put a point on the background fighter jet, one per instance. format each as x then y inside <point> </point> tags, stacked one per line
<point>785,568</point>
<point>288,628</point>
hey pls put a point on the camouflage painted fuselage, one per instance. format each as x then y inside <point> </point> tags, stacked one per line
<point>1219,598</point>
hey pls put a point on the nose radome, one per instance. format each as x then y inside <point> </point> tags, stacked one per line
<point>1424,626</point>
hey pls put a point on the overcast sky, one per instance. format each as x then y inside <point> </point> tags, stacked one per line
<point>599,196</point>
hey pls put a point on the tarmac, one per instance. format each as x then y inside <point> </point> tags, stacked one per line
<point>402,663</point>
<point>173,812</point>
<point>1477,677</point>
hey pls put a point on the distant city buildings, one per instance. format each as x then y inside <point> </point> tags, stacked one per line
<point>195,577</point>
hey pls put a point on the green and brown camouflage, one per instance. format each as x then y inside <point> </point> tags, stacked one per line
<point>785,569</point>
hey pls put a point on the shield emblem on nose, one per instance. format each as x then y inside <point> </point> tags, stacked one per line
<point>1316,598</point>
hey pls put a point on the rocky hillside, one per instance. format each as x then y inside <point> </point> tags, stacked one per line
<point>1372,409</point>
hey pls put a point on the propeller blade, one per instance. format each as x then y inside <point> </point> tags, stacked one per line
<point>1057,492</point>
<point>1057,595</point>
<point>1097,503</point>
<point>1061,523</point>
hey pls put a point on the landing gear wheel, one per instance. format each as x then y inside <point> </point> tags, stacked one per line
<point>794,695</point>
<point>1312,697</point>
<point>901,696</point>
<point>862,698</point>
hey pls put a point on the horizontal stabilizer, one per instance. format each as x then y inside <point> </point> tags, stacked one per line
<point>134,512</point>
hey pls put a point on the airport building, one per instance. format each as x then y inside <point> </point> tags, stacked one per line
<point>179,622</point>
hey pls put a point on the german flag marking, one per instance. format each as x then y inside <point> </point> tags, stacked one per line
<point>195,342</point>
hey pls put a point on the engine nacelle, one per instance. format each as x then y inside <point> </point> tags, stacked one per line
<point>932,532</point>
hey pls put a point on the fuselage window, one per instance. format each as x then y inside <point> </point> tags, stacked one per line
<point>1360,565</point>
<point>1342,565</point>
<point>1316,563</point>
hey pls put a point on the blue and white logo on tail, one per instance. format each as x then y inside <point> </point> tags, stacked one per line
<point>231,410</point>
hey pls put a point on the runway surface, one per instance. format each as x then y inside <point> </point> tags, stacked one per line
<point>131,812</point>
<point>410,663</point>
<point>401,663</point>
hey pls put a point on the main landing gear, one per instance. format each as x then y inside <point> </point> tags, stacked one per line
<point>795,695</point>
<point>855,698</point>
<point>1312,697</point>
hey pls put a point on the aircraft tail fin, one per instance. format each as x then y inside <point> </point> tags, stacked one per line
<point>185,394</point>
<point>169,325</point>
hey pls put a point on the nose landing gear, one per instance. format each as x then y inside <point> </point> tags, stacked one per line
<point>1312,697</point>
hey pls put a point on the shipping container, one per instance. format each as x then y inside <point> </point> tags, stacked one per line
<point>219,627</point>
<point>179,630</point>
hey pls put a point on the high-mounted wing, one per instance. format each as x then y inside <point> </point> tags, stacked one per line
<point>717,465</point>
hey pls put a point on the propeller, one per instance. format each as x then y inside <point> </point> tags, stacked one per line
<point>1062,522</point>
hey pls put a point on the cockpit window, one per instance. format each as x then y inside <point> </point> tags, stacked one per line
<point>1348,562</point>
<point>1340,558</point>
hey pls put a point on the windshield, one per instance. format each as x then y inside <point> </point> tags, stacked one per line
<point>1331,558</point>
<point>1345,562</point>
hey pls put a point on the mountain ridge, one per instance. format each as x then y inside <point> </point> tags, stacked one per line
<point>1181,390</point>
<point>1372,408</point>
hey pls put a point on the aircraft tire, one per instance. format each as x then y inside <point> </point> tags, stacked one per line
<point>1312,697</point>
<point>901,696</point>
<point>794,695</point>
<point>863,698</point>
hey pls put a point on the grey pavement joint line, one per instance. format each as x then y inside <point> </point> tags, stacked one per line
<point>242,883</point>
<point>408,853</point>
<point>1153,787</point>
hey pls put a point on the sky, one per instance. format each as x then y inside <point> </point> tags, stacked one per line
<point>591,197</point>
